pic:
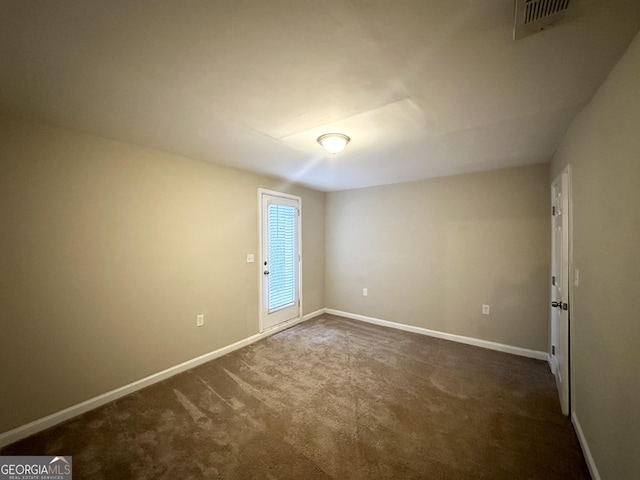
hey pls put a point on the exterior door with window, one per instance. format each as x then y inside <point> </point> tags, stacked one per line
<point>280,259</point>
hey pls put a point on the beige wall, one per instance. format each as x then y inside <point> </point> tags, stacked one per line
<point>432,252</point>
<point>107,253</point>
<point>603,148</point>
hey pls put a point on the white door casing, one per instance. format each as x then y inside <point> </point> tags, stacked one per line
<point>280,258</point>
<point>560,313</point>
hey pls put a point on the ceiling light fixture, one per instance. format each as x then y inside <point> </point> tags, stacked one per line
<point>333,142</point>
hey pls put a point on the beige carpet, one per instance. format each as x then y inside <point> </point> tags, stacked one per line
<point>331,398</point>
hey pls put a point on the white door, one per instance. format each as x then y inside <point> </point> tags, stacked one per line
<point>560,286</point>
<point>280,258</point>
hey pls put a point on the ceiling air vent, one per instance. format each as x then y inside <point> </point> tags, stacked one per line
<point>535,15</point>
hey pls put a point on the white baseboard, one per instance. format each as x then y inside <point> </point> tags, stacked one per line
<point>523,352</point>
<point>595,475</point>
<point>36,426</point>
<point>41,424</point>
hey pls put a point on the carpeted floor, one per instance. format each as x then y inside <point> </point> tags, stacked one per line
<point>331,399</point>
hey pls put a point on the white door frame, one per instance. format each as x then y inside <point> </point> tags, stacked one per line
<point>263,309</point>
<point>563,313</point>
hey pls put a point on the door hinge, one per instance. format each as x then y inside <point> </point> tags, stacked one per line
<point>553,349</point>
<point>553,280</point>
<point>553,211</point>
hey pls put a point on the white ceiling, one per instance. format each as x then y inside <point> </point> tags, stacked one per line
<point>424,88</point>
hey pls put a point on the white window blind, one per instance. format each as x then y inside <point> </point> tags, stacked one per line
<point>282,221</point>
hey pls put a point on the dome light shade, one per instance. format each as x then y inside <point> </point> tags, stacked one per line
<point>333,142</point>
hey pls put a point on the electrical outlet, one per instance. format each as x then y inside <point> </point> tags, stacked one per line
<point>365,292</point>
<point>199,320</point>
<point>250,258</point>
<point>486,309</point>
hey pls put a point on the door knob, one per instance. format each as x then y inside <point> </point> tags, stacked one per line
<point>266,272</point>
<point>556,304</point>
